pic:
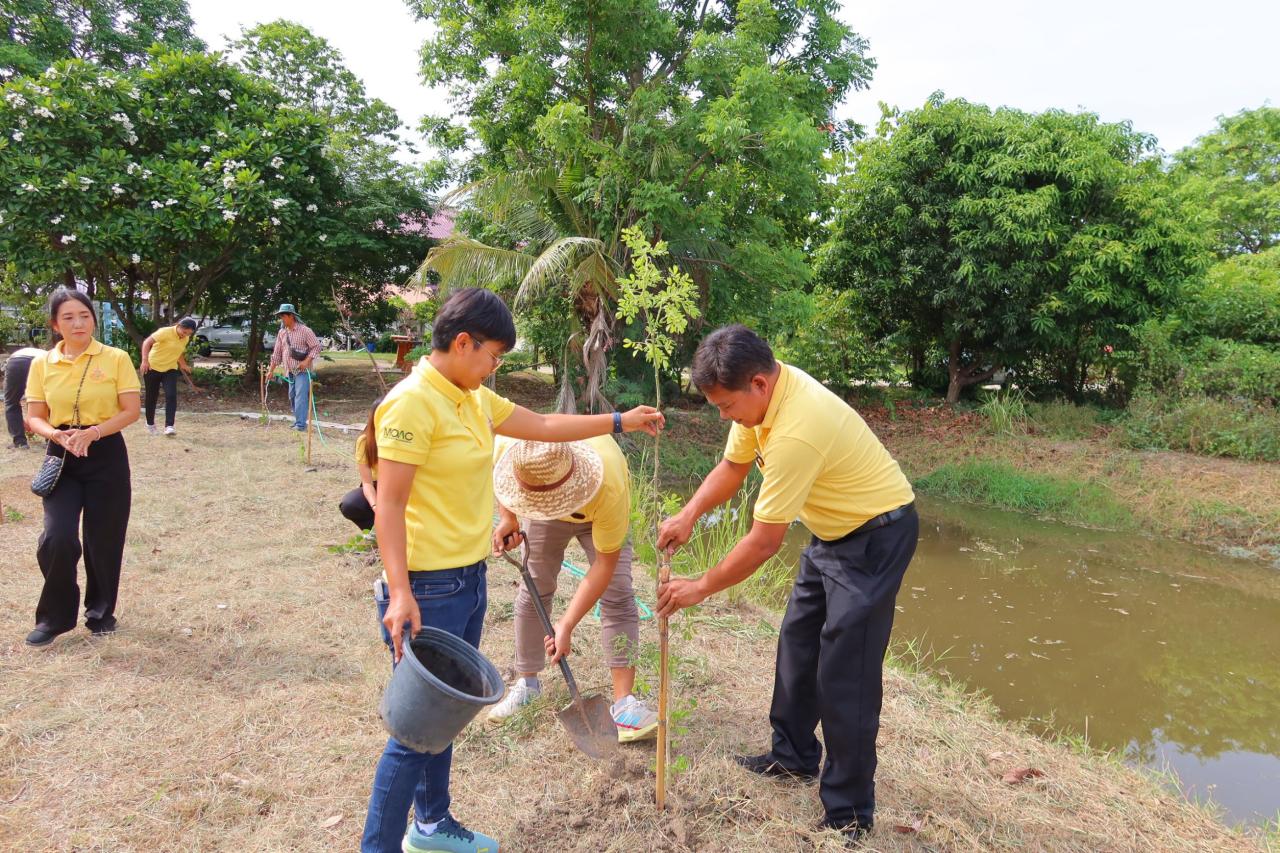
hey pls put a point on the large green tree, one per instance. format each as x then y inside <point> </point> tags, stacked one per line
<point>154,185</point>
<point>1008,239</point>
<point>112,33</point>
<point>1234,172</point>
<point>706,122</point>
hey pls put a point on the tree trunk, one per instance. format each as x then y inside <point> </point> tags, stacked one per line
<point>960,376</point>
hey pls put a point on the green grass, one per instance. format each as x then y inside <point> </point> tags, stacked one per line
<point>357,355</point>
<point>1063,420</point>
<point>1006,412</point>
<point>999,484</point>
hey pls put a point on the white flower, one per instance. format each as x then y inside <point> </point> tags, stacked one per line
<point>324,237</point>
<point>42,111</point>
<point>133,139</point>
<point>222,134</point>
<point>130,168</point>
<point>133,93</point>
<point>56,219</point>
<point>30,188</point>
<point>170,201</point>
<point>277,162</point>
<point>136,258</point>
<point>224,94</point>
<point>86,182</point>
<point>156,205</point>
<point>205,148</point>
<point>229,215</point>
<point>146,173</point>
<point>122,119</point>
<point>193,266</point>
<point>17,136</point>
<point>15,99</point>
<point>233,106</point>
<point>228,181</point>
<point>275,221</point>
<point>311,179</point>
<point>278,203</point>
<point>68,238</point>
<point>22,121</point>
<point>116,189</point>
<point>266,134</point>
<point>194,91</point>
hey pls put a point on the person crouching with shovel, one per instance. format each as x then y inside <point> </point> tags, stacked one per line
<point>578,490</point>
<point>434,520</point>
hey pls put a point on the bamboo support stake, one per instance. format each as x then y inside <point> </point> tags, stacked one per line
<point>664,575</point>
<point>311,405</point>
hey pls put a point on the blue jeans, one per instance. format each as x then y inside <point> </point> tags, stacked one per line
<point>300,398</point>
<point>453,600</point>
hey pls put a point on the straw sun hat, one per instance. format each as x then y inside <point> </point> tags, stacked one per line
<point>547,480</point>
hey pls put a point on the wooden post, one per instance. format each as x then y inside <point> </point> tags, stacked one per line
<point>664,575</point>
<point>311,405</point>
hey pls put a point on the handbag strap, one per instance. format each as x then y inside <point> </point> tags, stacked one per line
<point>75,408</point>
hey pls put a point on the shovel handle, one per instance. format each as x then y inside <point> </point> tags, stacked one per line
<point>523,566</point>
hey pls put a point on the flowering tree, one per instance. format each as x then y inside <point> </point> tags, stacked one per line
<point>158,183</point>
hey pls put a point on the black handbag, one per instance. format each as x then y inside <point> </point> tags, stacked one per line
<point>298,354</point>
<point>46,479</point>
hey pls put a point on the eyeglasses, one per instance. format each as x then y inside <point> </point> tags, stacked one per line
<point>480,345</point>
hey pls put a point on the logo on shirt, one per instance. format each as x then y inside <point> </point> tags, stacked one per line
<point>397,434</point>
<point>97,374</point>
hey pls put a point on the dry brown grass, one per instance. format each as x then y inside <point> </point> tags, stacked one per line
<point>236,708</point>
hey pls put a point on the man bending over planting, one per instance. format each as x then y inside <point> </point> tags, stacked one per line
<point>821,464</point>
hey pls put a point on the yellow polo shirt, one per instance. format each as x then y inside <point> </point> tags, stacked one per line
<point>361,441</point>
<point>820,460</point>
<point>447,432</point>
<point>166,347</point>
<point>609,512</point>
<point>53,380</point>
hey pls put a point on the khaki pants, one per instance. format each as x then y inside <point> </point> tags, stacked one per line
<point>619,618</point>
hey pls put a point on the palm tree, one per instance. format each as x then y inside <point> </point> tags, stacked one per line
<point>556,248</point>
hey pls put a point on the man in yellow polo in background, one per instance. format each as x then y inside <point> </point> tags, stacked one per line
<point>163,355</point>
<point>822,465</point>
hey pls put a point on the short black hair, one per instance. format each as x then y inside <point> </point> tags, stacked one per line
<point>189,323</point>
<point>478,312</point>
<point>65,294</point>
<point>729,357</point>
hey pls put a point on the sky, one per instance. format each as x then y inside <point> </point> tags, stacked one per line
<point>1171,68</point>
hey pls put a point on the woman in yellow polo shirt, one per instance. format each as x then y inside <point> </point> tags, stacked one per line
<point>80,395</point>
<point>434,518</point>
<point>163,355</point>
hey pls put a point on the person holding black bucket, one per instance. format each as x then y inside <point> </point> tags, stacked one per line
<point>565,491</point>
<point>163,355</point>
<point>821,464</point>
<point>435,435</point>
<point>358,504</point>
<point>80,395</point>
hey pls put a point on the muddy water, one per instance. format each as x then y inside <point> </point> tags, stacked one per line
<point>1167,653</point>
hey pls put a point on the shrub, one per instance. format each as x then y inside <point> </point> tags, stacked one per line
<point>830,345</point>
<point>1239,300</point>
<point>1060,419</point>
<point>1006,413</point>
<point>1202,424</point>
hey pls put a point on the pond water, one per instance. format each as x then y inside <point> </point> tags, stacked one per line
<point>1165,652</point>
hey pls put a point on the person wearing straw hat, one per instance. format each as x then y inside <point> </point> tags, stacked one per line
<point>296,348</point>
<point>821,464</point>
<point>434,522</point>
<point>576,490</point>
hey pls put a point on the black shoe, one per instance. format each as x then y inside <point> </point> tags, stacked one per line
<point>766,765</point>
<point>42,637</point>
<point>854,831</point>
<point>102,630</point>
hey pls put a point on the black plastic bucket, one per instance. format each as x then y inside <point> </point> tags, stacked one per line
<point>440,684</point>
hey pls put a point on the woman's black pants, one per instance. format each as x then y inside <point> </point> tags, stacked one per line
<point>154,379</point>
<point>88,513</point>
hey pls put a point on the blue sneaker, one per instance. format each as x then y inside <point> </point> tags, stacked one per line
<point>449,837</point>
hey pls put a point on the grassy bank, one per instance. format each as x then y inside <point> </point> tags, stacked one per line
<point>236,709</point>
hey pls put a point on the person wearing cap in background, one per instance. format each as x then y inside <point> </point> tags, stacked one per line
<point>577,490</point>
<point>15,386</point>
<point>163,355</point>
<point>822,465</point>
<point>296,348</point>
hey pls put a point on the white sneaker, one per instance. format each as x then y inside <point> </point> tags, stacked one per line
<point>151,429</point>
<point>170,431</point>
<point>518,695</point>
<point>635,720</point>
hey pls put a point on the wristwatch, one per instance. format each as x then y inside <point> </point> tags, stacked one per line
<point>617,423</point>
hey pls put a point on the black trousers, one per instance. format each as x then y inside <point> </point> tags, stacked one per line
<point>97,488</point>
<point>15,385</point>
<point>355,508</point>
<point>153,380</point>
<point>831,651</point>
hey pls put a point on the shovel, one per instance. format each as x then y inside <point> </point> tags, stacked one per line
<point>586,718</point>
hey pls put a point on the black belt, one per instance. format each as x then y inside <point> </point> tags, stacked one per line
<point>884,519</point>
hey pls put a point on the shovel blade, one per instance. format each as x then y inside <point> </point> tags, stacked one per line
<point>590,726</point>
